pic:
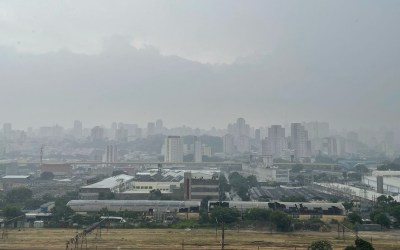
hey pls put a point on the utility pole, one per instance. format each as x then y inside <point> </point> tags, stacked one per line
<point>223,236</point>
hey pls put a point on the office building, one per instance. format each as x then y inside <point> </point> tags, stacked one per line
<point>97,133</point>
<point>77,131</point>
<point>173,149</point>
<point>159,126</point>
<point>111,154</point>
<point>151,128</point>
<point>299,141</point>
<point>197,156</point>
<point>228,144</point>
<point>275,144</point>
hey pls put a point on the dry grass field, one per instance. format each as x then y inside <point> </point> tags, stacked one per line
<point>186,239</point>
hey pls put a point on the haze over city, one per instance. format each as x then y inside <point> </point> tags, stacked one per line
<point>200,63</point>
<point>200,124</point>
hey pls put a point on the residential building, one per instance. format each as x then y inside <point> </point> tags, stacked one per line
<point>197,157</point>
<point>228,144</point>
<point>173,149</point>
<point>299,141</point>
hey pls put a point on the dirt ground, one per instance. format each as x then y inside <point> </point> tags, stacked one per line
<point>186,239</point>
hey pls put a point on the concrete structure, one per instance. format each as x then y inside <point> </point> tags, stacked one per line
<point>121,135</point>
<point>77,131</point>
<point>134,205</point>
<point>173,149</point>
<point>97,133</point>
<point>299,141</point>
<point>242,144</point>
<point>379,184</point>
<point>275,143</point>
<point>197,156</point>
<point>389,184</point>
<point>167,182</point>
<point>111,154</point>
<point>115,184</point>
<point>197,187</point>
<point>159,126</point>
<point>228,144</point>
<point>151,128</point>
<point>329,146</point>
<point>14,181</point>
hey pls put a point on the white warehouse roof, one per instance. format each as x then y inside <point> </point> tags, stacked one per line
<point>110,182</point>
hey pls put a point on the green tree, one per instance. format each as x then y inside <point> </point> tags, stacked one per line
<point>258,214</point>
<point>47,176</point>
<point>320,245</point>
<point>224,214</point>
<point>362,169</point>
<point>19,195</point>
<point>354,218</point>
<point>382,219</point>
<point>360,244</point>
<point>281,220</point>
<point>297,168</point>
<point>10,211</point>
<point>348,205</point>
<point>252,181</point>
<point>223,186</point>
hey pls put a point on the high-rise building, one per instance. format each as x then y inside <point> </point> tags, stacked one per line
<point>77,129</point>
<point>121,134</point>
<point>299,141</point>
<point>228,144</point>
<point>197,157</point>
<point>173,149</point>
<point>151,127</point>
<point>243,144</point>
<point>97,133</point>
<point>111,153</point>
<point>242,127</point>
<point>329,146</point>
<point>159,126</point>
<point>275,144</point>
<point>7,128</point>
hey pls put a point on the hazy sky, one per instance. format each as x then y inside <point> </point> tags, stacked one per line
<point>200,63</point>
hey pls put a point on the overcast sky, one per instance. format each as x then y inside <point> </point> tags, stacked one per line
<point>200,63</point>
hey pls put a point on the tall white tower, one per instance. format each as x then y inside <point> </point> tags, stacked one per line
<point>197,150</point>
<point>173,149</point>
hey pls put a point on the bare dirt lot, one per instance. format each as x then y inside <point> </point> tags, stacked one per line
<point>186,239</point>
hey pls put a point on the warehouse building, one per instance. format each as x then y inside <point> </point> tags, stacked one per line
<point>135,205</point>
<point>106,187</point>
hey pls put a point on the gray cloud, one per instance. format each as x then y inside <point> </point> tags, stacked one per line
<point>336,61</point>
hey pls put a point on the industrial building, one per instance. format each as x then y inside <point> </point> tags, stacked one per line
<point>14,181</point>
<point>139,188</point>
<point>201,185</point>
<point>134,205</point>
<point>114,184</point>
<point>385,182</point>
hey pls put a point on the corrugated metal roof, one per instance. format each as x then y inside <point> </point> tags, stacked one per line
<point>110,182</point>
<point>15,176</point>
